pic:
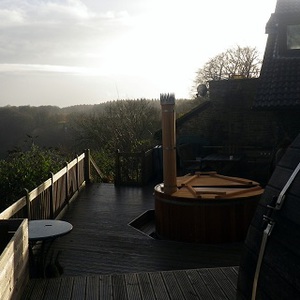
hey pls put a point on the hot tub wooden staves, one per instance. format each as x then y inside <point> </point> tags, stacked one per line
<point>206,208</point>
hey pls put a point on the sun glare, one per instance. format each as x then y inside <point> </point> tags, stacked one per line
<point>144,47</point>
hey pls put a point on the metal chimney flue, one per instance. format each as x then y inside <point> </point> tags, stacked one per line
<point>167,102</point>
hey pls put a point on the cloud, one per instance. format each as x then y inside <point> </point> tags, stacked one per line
<point>35,68</point>
<point>144,47</point>
<point>10,18</point>
<point>46,11</point>
<point>56,32</point>
<point>70,9</point>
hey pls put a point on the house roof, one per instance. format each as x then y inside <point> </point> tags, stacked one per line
<point>279,85</point>
<point>186,117</point>
<point>196,110</point>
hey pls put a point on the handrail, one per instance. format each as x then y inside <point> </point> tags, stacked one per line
<point>51,197</point>
<point>98,171</point>
<point>13,209</point>
<point>38,190</point>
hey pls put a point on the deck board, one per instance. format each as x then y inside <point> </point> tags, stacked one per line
<point>224,283</point>
<point>105,287</point>
<point>200,287</point>
<point>119,287</point>
<point>132,287</point>
<point>172,285</point>
<point>52,290</point>
<point>79,287</point>
<point>92,288</point>
<point>66,288</point>
<point>146,287</point>
<point>185,285</point>
<point>158,285</point>
<point>212,284</point>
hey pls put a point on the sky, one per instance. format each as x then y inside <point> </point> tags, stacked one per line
<point>71,52</point>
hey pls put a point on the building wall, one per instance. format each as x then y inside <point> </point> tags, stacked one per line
<point>230,120</point>
<point>231,123</point>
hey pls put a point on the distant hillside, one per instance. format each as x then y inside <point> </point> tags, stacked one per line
<point>21,126</point>
<point>49,126</point>
<point>83,108</point>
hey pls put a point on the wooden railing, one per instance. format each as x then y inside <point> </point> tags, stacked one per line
<point>48,200</point>
<point>134,168</point>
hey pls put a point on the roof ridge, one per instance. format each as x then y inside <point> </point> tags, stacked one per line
<point>287,6</point>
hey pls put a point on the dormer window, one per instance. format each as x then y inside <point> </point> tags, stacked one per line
<point>289,35</point>
<point>293,37</point>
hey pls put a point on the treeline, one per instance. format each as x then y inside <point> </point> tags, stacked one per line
<point>21,126</point>
<point>59,128</point>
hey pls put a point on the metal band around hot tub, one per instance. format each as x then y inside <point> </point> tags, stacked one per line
<point>267,232</point>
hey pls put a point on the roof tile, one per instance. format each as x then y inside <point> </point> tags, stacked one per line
<point>279,85</point>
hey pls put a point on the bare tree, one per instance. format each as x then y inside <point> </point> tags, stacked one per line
<point>239,61</point>
<point>127,125</point>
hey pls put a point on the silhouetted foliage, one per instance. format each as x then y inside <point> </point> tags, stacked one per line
<point>28,170</point>
<point>127,125</point>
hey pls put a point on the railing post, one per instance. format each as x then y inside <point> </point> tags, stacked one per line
<point>87,166</point>
<point>117,165</point>
<point>52,193</point>
<point>67,182</point>
<point>28,206</point>
<point>144,171</point>
<point>77,173</point>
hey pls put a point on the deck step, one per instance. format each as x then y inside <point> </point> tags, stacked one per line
<point>145,223</point>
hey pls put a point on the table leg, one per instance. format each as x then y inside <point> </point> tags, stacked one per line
<point>38,253</point>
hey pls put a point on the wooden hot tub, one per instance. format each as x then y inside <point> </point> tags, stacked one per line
<point>207,208</point>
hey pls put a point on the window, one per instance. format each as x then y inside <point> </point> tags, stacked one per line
<point>293,37</point>
<point>289,35</point>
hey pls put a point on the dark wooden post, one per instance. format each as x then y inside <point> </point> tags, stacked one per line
<point>87,166</point>
<point>144,168</point>
<point>118,166</point>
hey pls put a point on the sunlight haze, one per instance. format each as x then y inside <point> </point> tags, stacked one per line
<point>69,52</point>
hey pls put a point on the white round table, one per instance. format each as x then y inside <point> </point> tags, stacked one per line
<point>40,230</point>
<point>44,232</point>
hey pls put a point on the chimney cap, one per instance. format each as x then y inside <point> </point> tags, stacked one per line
<point>166,99</point>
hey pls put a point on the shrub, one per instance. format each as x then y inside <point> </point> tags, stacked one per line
<point>26,170</point>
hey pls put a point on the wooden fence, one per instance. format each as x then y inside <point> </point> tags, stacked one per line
<point>134,168</point>
<point>49,199</point>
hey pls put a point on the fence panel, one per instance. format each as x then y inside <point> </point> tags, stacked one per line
<point>134,168</point>
<point>48,199</point>
<point>40,206</point>
<point>59,195</point>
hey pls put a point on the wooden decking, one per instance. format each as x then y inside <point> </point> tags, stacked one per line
<point>103,248</point>
<point>206,284</point>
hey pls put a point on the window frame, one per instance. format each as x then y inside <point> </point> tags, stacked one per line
<point>284,22</point>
